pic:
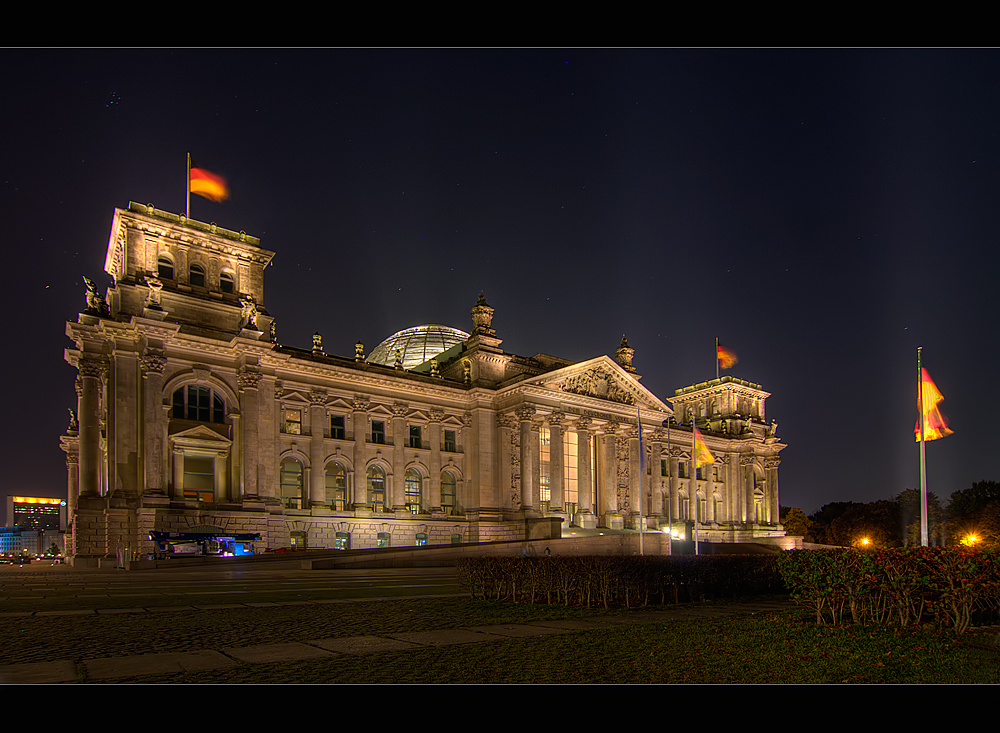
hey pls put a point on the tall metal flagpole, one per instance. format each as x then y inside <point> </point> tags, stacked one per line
<point>693,488</point>
<point>923,461</point>
<point>642,477</point>
<point>716,357</point>
<point>187,185</point>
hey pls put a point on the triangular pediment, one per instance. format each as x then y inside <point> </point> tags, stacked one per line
<point>601,379</point>
<point>202,434</point>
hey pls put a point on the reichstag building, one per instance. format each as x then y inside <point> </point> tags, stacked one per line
<point>190,414</point>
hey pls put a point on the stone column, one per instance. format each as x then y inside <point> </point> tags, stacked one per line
<point>636,490</point>
<point>360,415</point>
<point>152,364</point>
<point>317,443</point>
<point>529,467</point>
<point>178,470</point>
<point>585,478</point>
<point>656,474</point>
<point>92,372</point>
<point>508,462</point>
<point>434,436</point>
<point>400,441</point>
<point>466,494</point>
<point>247,381</point>
<point>235,459</point>
<point>557,474</point>
<point>771,470</point>
<point>607,494</point>
<point>72,478</point>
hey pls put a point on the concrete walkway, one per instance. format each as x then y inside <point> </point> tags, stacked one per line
<point>196,660</point>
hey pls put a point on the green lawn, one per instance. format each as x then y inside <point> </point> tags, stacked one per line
<point>764,648</point>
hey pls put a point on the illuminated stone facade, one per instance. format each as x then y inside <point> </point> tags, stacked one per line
<point>191,414</point>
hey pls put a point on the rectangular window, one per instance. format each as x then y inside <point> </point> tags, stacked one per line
<point>338,428</point>
<point>450,443</point>
<point>571,467</point>
<point>199,403</point>
<point>382,539</point>
<point>421,539</point>
<point>342,541</point>
<point>663,468</point>
<point>199,478</point>
<point>378,432</point>
<point>415,436</point>
<point>680,470</point>
<point>545,467</point>
<point>293,422</point>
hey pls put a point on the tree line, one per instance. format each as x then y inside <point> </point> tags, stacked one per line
<point>972,516</point>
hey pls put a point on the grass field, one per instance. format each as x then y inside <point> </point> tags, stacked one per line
<point>763,648</point>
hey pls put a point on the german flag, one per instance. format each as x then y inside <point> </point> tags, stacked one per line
<point>210,185</point>
<point>726,358</point>
<point>702,455</point>
<point>935,424</point>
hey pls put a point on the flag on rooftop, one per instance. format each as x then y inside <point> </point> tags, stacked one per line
<point>210,185</point>
<point>935,424</point>
<point>726,357</point>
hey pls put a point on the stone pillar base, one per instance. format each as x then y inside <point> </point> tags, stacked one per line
<point>612,520</point>
<point>586,520</point>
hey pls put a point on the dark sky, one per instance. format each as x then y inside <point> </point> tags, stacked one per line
<point>822,212</point>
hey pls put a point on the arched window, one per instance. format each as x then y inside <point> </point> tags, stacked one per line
<point>376,489</point>
<point>226,283</point>
<point>291,484</point>
<point>412,488</point>
<point>195,402</point>
<point>448,502</point>
<point>336,487</point>
<point>164,268</point>
<point>197,278</point>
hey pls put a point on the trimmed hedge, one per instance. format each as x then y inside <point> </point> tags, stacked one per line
<point>618,581</point>
<point>898,587</point>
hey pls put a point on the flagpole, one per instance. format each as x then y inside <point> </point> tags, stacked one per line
<point>716,357</point>
<point>642,477</point>
<point>187,186</point>
<point>923,459</point>
<point>693,493</point>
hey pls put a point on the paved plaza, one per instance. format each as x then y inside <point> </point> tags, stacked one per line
<point>58,625</point>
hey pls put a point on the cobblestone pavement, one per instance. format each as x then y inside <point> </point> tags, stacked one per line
<point>106,626</point>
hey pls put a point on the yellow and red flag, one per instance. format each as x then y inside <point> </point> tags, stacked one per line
<point>702,455</point>
<point>935,424</point>
<point>726,357</point>
<point>210,185</point>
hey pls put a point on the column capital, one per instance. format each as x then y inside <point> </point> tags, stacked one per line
<point>360,403</point>
<point>152,362</point>
<point>91,367</point>
<point>247,379</point>
<point>525,412</point>
<point>583,423</point>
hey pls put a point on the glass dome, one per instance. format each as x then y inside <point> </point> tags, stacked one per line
<point>417,345</point>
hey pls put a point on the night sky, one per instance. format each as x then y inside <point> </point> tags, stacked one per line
<point>823,213</point>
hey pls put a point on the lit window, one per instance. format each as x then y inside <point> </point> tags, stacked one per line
<point>447,493</point>
<point>195,402</point>
<point>298,540</point>
<point>545,468</point>
<point>291,484</point>
<point>571,468</point>
<point>338,428</point>
<point>342,541</point>
<point>412,488</point>
<point>378,432</point>
<point>376,489</point>
<point>415,436</point>
<point>293,422</point>
<point>197,278</point>
<point>421,539</point>
<point>382,539</point>
<point>336,487</point>
<point>199,478</point>
<point>226,283</point>
<point>164,268</point>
